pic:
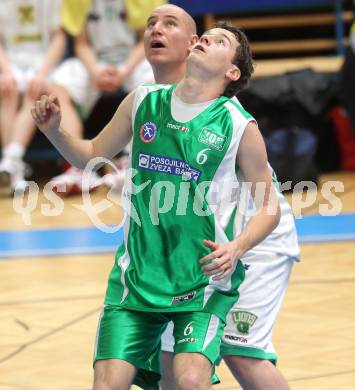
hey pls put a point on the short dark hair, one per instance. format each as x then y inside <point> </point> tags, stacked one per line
<point>243,59</point>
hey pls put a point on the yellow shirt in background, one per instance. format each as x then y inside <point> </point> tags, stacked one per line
<point>139,10</point>
<point>73,15</point>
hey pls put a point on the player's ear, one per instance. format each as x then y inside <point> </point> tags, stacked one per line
<point>233,73</point>
<point>194,38</point>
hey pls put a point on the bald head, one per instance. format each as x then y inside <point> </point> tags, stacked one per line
<point>174,10</point>
<point>168,39</point>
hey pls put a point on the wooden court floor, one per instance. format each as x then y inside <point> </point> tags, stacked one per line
<point>49,309</point>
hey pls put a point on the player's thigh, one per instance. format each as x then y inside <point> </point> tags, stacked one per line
<point>131,336</point>
<point>198,332</point>
<point>250,322</point>
<point>167,381</point>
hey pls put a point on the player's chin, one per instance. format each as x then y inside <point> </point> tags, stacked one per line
<point>196,62</point>
<point>158,58</point>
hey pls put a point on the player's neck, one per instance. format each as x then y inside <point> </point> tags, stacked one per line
<point>195,90</point>
<point>168,73</point>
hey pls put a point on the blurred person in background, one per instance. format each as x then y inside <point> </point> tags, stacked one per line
<point>109,59</point>
<point>32,43</point>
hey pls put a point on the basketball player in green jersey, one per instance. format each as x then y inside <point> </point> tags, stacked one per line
<point>247,347</point>
<point>179,257</point>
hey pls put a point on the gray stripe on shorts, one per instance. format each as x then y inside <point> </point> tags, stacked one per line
<point>211,331</point>
<point>98,332</point>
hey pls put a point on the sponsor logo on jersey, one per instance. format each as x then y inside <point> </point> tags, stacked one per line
<point>184,298</point>
<point>171,166</point>
<point>212,139</point>
<point>26,14</point>
<point>148,132</point>
<point>246,266</point>
<point>244,320</point>
<point>187,340</point>
<point>27,38</point>
<point>175,126</point>
<point>240,339</point>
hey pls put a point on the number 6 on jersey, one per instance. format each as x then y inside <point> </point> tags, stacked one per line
<point>188,329</point>
<point>202,157</point>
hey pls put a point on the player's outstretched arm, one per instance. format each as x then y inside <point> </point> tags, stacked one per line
<point>111,140</point>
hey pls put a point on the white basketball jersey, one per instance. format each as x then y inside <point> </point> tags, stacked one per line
<point>283,239</point>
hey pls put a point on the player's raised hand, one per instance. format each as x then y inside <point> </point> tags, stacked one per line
<point>46,113</point>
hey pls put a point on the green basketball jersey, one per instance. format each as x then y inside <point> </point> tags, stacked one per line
<point>172,198</point>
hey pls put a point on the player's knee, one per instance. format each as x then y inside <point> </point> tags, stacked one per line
<point>189,380</point>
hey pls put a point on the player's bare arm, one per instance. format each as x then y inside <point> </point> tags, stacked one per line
<point>111,140</point>
<point>252,161</point>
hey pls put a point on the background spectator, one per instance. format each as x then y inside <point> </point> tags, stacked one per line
<point>32,44</point>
